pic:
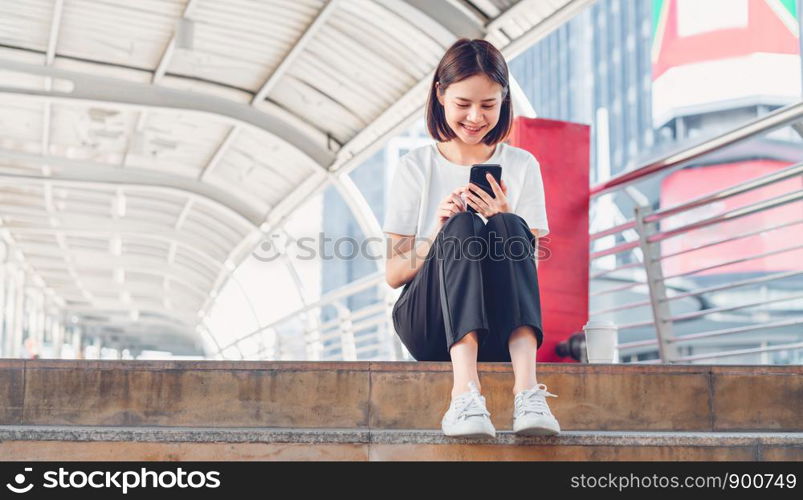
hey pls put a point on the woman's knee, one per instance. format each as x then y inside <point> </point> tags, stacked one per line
<point>469,339</point>
<point>462,223</point>
<point>461,236</point>
<point>509,222</point>
<point>509,237</point>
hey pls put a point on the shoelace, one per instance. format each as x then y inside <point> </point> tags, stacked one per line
<point>470,404</point>
<point>534,400</point>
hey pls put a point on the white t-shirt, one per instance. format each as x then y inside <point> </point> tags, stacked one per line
<point>424,177</point>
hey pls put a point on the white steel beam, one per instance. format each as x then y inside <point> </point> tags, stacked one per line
<point>38,254</point>
<point>296,51</point>
<point>93,89</point>
<point>358,205</point>
<point>167,54</point>
<point>452,15</point>
<point>55,25</point>
<point>106,227</point>
<point>184,245</point>
<point>101,174</point>
<point>106,308</point>
<point>274,77</point>
<point>150,266</point>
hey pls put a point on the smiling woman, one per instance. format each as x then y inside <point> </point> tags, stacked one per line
<point>471,100</point>
<point>466,298</point>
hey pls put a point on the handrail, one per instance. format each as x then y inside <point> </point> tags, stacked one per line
<point>624,226</point>
<point>605,272</point>
<point>356,327</point>
<point>741,329</point>
<point>705,312</point>
<point>744,187</point>
<point>358,314</point>
<point>731,215</point>
<point>734,261</point>
<point>629,305</point>
<point>628,245</point>
<point>352,288</point>
<point>725,354</point>
<point>778,118</point>
<point>727,286</point>
<point>632,284</point>
<point>713,333</point>
<point>735,284</point>
<point>651,259</point>
<point>730,192</point>
<point>637,324</point>
<point>732,238</point>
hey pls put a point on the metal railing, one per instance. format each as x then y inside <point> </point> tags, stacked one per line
<point>645,235</point>
<point>363,333</point>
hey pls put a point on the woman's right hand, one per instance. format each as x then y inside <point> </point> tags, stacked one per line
<point>449,206</point>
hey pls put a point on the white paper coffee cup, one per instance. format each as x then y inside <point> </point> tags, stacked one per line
<point>601,341</point>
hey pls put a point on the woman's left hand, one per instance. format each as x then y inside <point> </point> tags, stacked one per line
<point>485,204</point>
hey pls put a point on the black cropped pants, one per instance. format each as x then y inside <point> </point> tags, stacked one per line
<point>476,276</point>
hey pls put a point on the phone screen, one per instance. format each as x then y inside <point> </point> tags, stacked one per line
<point>478,178</point>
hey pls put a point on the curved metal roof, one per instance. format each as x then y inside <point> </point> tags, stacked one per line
<point>145,147</point>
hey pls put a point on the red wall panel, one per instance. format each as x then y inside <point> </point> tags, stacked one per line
<point>562,150</point>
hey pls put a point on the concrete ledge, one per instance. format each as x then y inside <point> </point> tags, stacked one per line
<point>391,395</point>
<point>319,436</point>
<point>35,443</point>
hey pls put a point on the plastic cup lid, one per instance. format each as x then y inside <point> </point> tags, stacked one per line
<point>600,323</point>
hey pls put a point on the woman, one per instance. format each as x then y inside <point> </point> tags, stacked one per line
<point>470,294</point>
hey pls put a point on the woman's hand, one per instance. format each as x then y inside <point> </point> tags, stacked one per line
<point>450,205</point>
<point>484,203</point>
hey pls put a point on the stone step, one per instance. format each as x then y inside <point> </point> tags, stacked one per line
<point>392,395</point>
<point>56,443</point>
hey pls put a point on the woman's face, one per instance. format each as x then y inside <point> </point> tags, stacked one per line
<point>472,107</point>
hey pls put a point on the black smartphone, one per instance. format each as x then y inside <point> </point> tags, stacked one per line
<point>478,178</point>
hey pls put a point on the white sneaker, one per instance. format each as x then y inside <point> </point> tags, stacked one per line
<point>467,416</point>
<point>531,414</point>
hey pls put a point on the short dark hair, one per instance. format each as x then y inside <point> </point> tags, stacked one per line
<point>464,59</point>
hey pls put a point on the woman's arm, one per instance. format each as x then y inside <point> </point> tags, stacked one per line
<point>403,261</point>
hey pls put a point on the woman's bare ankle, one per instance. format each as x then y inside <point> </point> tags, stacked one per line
<point>517,388</point>
<point>462,388</point>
